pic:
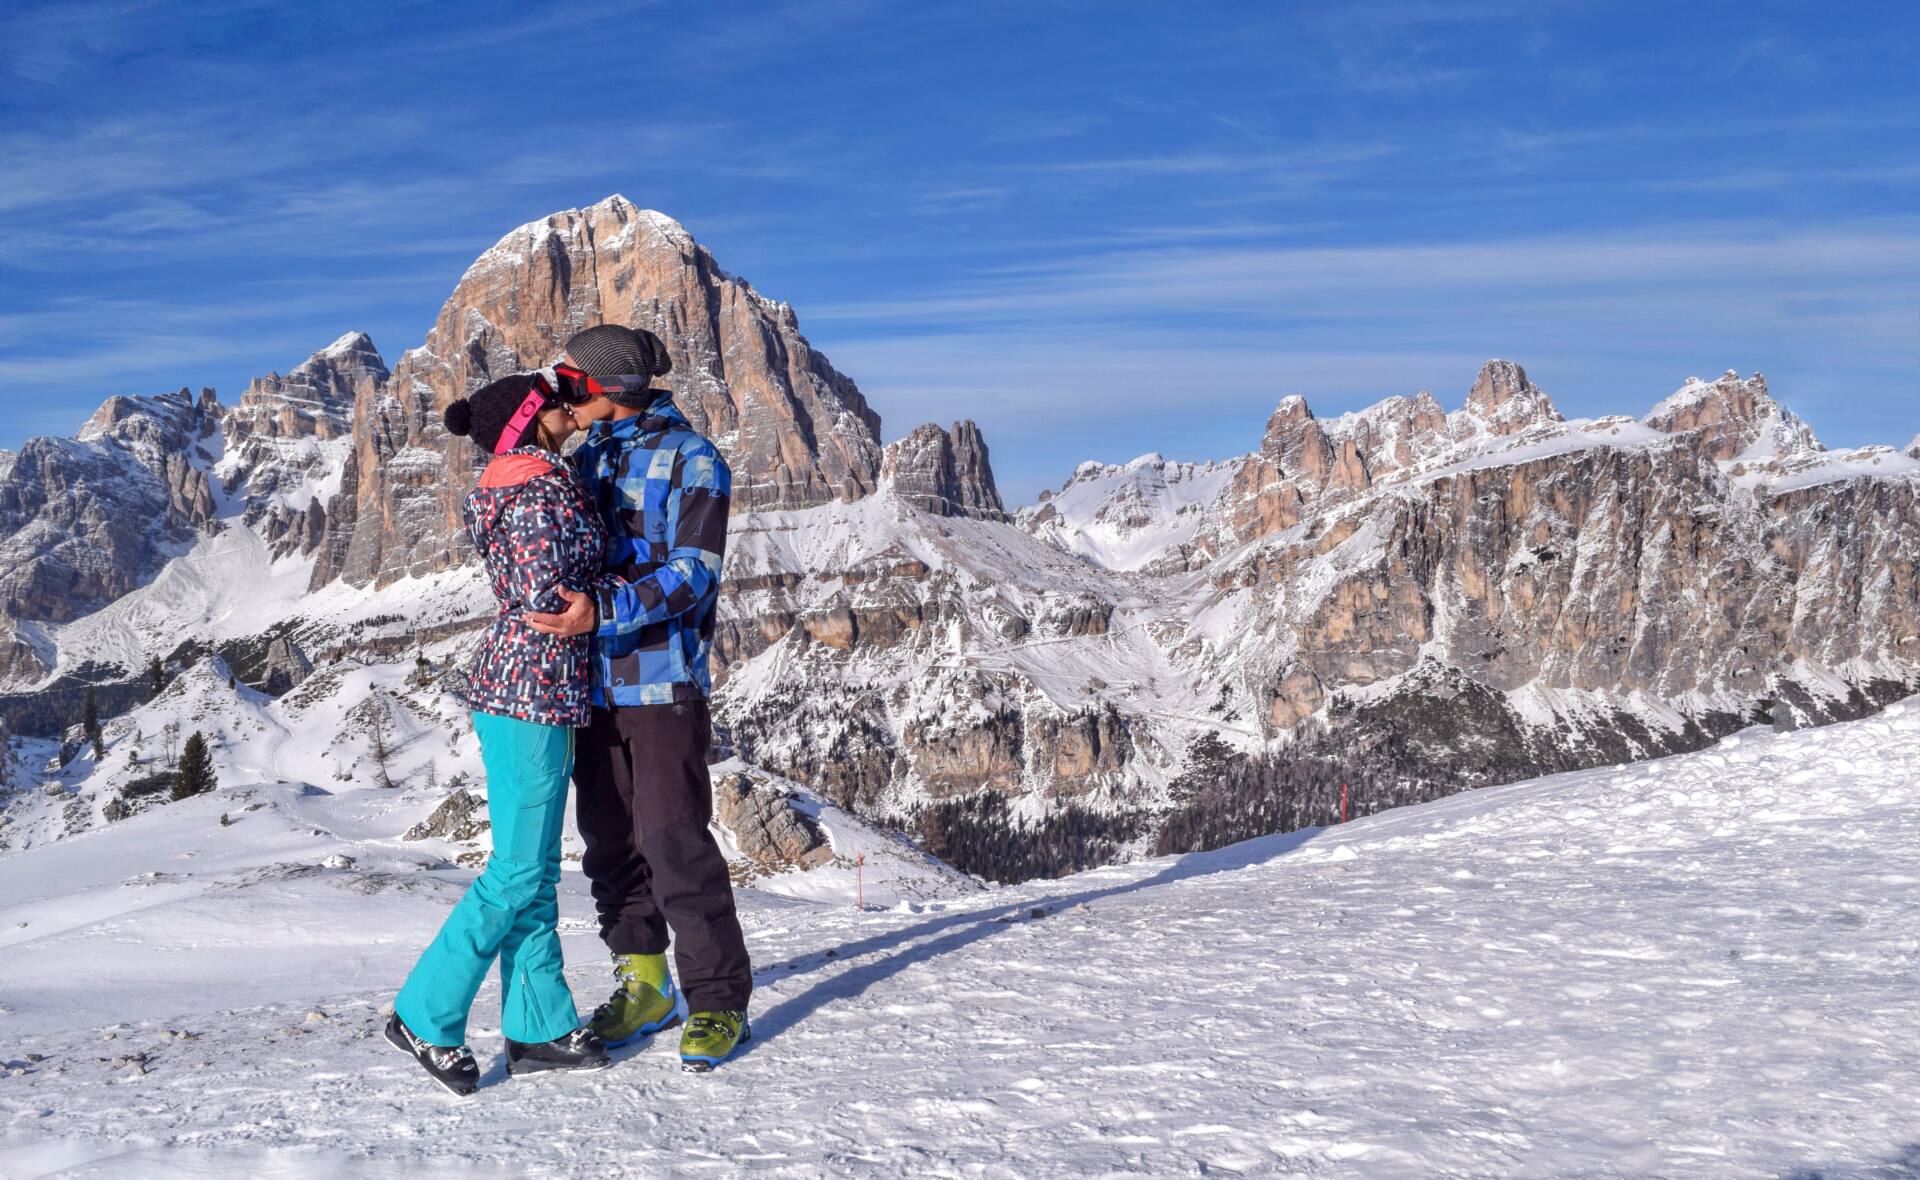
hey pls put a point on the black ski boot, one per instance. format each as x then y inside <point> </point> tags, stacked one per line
<point>579,1049</point>
<point>451,1067</point>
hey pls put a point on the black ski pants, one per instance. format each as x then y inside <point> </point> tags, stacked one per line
<point>644,800</point>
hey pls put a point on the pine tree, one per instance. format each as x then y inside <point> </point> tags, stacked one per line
<point>156,677</point>
<point>90,721</point>
<point>196,768</point>
<point>380,723</point>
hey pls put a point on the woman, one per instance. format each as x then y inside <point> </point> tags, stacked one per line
<point>535,530</point>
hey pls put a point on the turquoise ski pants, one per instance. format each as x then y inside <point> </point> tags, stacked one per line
<point>512,910</point>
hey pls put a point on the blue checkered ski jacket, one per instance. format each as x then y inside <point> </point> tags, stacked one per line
<point>662,492</point>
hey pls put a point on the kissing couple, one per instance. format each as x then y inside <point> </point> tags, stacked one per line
<point>606,566</point>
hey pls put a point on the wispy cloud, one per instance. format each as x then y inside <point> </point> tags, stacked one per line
<point>1750,261</point>
<point>1201,341</point>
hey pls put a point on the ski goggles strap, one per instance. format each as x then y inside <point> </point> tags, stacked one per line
<point>516,427</point>
<point>618,382</point>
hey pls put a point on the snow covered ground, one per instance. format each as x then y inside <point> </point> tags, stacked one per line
<point>1701,966</point>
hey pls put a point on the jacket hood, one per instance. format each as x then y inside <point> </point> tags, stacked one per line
<point>661,415</point>
<point>516,467</point>
<point>505,477</point>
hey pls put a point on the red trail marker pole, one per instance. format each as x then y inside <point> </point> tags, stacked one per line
<point>1343,803</point>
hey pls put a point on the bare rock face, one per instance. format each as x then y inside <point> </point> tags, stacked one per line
<point>1733,417</point>
<point>84,520</point>
<point>944,472</point>
<point>767,828</point>
<point>288,431</point>
<point>315,399</point>
<point>794,430</point>
<point>22,658</point>
<point>1505,402</point>
<point>462,816</point>
<point>287,667</point>
<point>1298,463</point>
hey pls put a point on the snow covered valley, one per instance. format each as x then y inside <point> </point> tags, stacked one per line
<point>1697,966</point>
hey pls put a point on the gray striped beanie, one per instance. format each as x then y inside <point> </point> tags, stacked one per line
<point>613,350</point>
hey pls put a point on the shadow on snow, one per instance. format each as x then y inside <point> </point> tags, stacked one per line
<point>964,929</point>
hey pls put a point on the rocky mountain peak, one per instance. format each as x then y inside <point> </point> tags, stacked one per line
<point>1505,402</point>
<point>84,520</point>
<point>1735,418</point>
<point>155,419</point>
<point>795,431</point>
<point>1291,422</point>
<point>275,437</point>
<point>1913,448</point>
<point>316,396</point>
<point>353,354</point>
<point>944,472</point>
<point>1286,419</point>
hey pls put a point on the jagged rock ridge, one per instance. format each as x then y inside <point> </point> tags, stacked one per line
<point>946,473</point>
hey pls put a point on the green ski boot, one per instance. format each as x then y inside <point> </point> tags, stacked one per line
<point>645,1002</point>
<point>710,1037</point>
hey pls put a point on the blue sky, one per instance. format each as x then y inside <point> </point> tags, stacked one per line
<point>1097,229</point>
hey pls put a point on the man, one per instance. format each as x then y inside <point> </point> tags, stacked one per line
<point>643,796</point>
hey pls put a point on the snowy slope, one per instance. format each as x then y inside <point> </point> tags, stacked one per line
<point>1700,966</point>
<point>1125,516</point>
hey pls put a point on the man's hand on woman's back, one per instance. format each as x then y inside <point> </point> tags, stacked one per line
<point>577,619</point>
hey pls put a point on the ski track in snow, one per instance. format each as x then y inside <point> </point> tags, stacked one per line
<point>1701,966</point>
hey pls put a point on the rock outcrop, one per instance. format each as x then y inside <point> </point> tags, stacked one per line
<point>944,472</point>
<point>766,826</point>
<point>795,431</point>
<point>1733,418</point>
<point>1505,402</point>
<point>287,667</point>
<point>461,816</point>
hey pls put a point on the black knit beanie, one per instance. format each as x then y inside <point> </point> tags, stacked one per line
<point>484,413</point>
<point>614,350</point>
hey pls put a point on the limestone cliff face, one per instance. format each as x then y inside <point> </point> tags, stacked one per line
<point>1616,572</point>
<point>286,431</point>
<point>84,520</point>
<point>794,430</point>
<point>1685,569</point>
<point>946,473</point>
<point>1496,588</point>
<point>1733,417</point>
<point>1505,402</point>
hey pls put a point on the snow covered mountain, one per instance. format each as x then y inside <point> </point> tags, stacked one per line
<point>1699,966</point>
<point>1413,595</point>
<point>1149,514</point>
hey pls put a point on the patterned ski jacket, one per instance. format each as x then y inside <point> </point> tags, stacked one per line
<point>536,530</point>
<point>662,491</point>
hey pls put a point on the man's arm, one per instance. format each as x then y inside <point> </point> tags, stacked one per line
<point>697,501</point>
